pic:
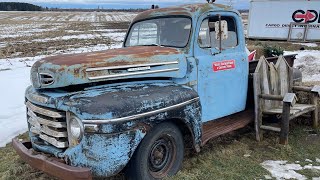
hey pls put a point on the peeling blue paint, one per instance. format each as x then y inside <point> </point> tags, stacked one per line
<point>105,155</point>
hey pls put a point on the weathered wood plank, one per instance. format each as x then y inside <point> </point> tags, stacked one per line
<point>302,88</point>
<point>271,97</point>
<point>282,69</point>
<point>257,106</point>
<point>265,81</point>
<point>304,111</point>
<point>315,114</point>
<point>302,106</point>
<point>279,111</point>
<point>271,128</point>
<point>284,133</point>
<point>297,108</point>
<point>274,82</point>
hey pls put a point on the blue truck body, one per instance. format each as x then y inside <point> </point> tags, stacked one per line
<point>120,95</point>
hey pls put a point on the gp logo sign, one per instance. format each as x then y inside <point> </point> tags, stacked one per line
<point>309,16</point>
<point>223,65</point>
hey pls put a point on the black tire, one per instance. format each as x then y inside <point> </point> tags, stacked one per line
<point>159,155</point>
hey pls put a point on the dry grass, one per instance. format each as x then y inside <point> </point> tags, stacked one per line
<point>239,156</point>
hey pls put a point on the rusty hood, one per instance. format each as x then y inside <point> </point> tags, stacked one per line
<point>124,63</point>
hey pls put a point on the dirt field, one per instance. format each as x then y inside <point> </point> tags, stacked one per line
<point>38,33</point>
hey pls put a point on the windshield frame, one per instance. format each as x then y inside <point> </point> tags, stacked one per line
<point>161,17</point>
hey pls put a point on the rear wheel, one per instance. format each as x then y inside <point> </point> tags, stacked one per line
<point>159,155</point>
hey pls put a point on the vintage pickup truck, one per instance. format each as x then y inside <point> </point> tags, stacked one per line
<point>180,79</point>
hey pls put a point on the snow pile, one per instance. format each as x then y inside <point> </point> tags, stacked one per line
<point>282,170</point>
<point>308,62</point>
<point>12,114</point>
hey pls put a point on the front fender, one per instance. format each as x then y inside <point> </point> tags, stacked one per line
<point>144,105</point>
<point>117,109</point>
<point>105,154</point>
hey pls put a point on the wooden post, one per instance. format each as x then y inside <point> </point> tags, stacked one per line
<point>284,133</point>
<point>257,106</point>
<point>315,116</point>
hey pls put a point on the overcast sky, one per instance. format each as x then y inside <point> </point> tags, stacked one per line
<point>240,4</point>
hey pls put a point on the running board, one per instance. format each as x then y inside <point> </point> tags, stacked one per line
<point>226,124</point>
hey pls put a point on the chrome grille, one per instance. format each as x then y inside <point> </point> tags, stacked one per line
<point>50,125</point>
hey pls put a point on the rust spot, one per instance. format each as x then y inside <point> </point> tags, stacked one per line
<point>105,58</point>
<point>144,127</point>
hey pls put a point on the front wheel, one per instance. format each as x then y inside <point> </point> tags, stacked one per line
<point>159,155</point>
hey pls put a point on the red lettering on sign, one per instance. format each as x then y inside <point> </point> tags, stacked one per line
<point>223,65</point>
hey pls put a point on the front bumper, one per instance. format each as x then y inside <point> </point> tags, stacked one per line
<point>49,165</point>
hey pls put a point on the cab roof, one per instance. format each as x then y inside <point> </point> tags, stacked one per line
<point>191,10</point>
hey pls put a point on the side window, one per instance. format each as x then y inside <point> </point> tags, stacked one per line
<point>207,33</point>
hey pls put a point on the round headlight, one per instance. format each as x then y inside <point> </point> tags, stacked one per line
<point>76,128</point>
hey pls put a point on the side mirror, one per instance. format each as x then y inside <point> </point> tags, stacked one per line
<point>221,28</point>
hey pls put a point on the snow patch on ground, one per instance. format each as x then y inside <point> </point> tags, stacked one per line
<point>12,114</point>
<point>79,36</point>
<point>115,36</point>
<point>15,75</point>
<point>308,62</point>
<point>14,63</point>
<point>307,44</point>
<point>284,170</point>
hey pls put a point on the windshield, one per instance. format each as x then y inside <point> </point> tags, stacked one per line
<point>172,32</point>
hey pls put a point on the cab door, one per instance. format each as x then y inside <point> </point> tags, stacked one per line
<point>222,73</point>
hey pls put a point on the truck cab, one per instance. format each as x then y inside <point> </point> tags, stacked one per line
<point>180,70</point>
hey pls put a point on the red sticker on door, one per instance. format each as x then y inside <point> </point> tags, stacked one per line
<point>223,65</point>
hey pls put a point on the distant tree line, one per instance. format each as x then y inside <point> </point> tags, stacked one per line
<point>15,6</point>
